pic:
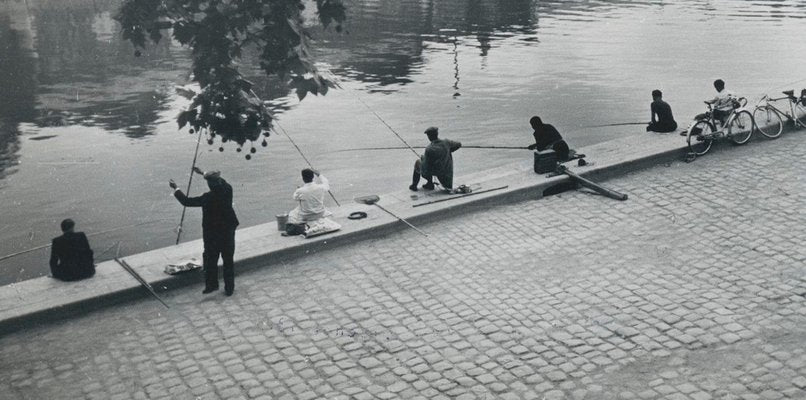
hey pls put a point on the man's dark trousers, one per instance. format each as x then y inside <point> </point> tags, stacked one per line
<point>219,244</point>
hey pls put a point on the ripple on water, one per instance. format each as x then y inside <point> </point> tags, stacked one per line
<point>478,69</point>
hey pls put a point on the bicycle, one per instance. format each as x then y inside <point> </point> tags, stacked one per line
<point>768,117</point>
<point>738,127</point>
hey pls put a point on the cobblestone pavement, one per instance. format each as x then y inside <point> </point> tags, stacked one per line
<point>692,289</point>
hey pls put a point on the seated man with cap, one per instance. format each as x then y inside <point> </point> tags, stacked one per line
<point>311,198</point>
<point>437,161</point>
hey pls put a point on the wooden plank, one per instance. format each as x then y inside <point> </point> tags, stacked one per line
<point>459,196</point>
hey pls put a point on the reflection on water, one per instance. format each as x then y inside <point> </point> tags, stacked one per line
<point>87,130</point>
<point>18,88</point>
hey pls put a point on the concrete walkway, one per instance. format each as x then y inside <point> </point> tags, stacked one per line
<point>692,289</point>
<point>44,299</point>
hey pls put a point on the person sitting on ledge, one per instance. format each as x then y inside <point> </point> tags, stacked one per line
<point>311,198</point>
<point>437,161</point>
<point>665,121</point>
<point>547,137</point>
<point>71,257</point>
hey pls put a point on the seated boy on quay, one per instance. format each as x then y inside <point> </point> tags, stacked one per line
<point>71,258</point>
<point>723,103</point>
<point>311,198</point>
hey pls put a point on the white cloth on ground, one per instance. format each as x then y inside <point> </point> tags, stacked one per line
<point>321,227</point>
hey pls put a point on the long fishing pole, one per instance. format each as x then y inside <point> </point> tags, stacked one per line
<point>616,124</point>
<point>422,147</point>
<point>140,280</point>
<point>387,125</point>
<point>303,157</point>
<point>136,276</point>
<point>44,246</point>
<point>190,180</point>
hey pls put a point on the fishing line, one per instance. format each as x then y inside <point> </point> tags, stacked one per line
<point>44,246</point>
<point>107,249</point>
<point>781,86</point>
<point>303,156</point>
<point>387,125</point>
<point>190,180</point>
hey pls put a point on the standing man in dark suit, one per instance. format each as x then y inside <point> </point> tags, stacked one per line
<point>218,228</point>
<point>71,258</point>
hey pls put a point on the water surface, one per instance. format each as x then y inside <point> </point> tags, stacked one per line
<point>87,129</point>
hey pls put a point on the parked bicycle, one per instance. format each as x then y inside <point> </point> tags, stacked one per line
<point>768,117</point>
<point>738,127</point>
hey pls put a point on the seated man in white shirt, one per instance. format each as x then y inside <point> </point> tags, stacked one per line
<point>311,198</point>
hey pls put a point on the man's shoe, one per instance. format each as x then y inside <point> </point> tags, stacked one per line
<point>209,290</point>
<point>413,188</point>
<point>428,186</point>
<point>228,292</point>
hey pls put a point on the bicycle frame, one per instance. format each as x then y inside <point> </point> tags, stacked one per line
<point>769,102</point>
<point>711,119</point>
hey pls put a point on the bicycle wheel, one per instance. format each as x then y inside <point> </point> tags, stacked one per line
<point>800,114</point>
<point>700,137</point>
<point>768,122</point>
<point>741,127</point>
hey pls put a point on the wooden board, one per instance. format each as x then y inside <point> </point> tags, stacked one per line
<point>438,192</point>
<point>446,196</point>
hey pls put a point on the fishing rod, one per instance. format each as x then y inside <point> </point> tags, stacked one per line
<point>387,125</point>
<point>303,156</point>
<point>422,147</point>
<point>190,180</point>
<point>137,277</point>
<point>616,124</point>
<point>44,246</point>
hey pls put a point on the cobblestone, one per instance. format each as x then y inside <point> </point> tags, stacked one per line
<point>693,289</point>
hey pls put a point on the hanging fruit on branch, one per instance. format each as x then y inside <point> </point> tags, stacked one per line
<point>217,31</point>
<point>228,109</point>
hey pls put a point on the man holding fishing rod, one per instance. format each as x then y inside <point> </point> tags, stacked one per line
<point>218,228</point>
<point>662,118</point>
<point>437,161</point>
<point>548,138</point>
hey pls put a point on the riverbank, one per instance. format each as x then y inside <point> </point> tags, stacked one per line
<point>44,299</point>
<point>691,289</point>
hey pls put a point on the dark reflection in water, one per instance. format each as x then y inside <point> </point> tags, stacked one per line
<point>386,38</point>
<point>90,76</point>
<point>17,91</point>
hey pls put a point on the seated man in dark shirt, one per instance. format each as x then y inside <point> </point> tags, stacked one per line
<point>71,258</point>
<point>547,137</point>
<point>662,119</point>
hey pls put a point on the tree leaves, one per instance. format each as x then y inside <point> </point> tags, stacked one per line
<point>217,31</point>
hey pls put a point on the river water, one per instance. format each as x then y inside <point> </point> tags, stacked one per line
<point>87,129</point>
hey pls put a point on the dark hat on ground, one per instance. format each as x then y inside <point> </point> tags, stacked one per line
<point>431,129</point>
<point>212,175</point>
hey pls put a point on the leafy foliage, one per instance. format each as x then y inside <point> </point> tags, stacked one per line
<point>217,31</point>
